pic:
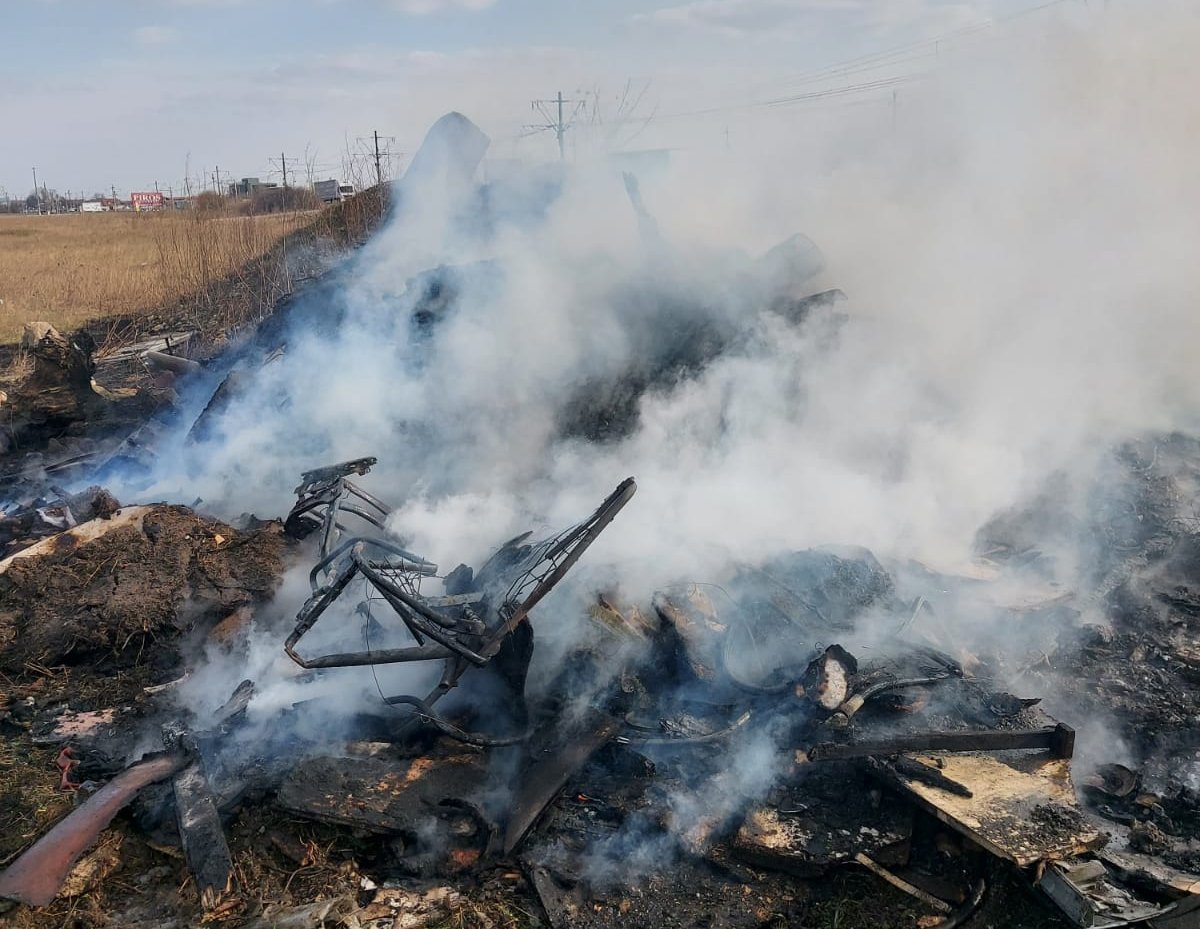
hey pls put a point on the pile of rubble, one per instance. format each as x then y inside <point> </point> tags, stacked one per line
<point>709,752</point>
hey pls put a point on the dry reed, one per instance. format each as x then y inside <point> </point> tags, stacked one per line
<point>72,269</point>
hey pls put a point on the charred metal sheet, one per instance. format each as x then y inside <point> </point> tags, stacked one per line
<point>1135,867</point>
<point>1022,805</point>
<point>37,875</point>
<point>1089,896</point>
<point>542,783</point>
<point>1183,915</point>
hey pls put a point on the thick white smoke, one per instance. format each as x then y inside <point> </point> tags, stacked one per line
<point>1017,246</point>
<point>1017,252</point>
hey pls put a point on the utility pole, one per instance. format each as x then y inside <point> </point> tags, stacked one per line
<point>379,153</point>
<point>283,168</point>
<point>560,130</point>
<point>555,119</point>
<point>36,193</point>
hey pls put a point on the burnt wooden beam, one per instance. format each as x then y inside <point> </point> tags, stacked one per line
<point>1059,740</point>
<point>204,844</point>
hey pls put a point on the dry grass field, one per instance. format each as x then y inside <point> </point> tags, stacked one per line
<point>72,268</point>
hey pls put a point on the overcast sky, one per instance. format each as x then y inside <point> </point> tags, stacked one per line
<point>128,92</point>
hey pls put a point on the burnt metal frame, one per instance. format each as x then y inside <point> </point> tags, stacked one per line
<point>329,488</point>
<point>459,642</point>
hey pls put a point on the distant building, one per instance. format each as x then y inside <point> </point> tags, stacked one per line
<point>92,206</point>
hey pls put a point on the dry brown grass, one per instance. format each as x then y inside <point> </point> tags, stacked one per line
<point>71,269</point>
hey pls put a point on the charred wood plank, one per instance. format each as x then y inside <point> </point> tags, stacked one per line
<point>1058,739</point>
<point>204,844</point>
<point>381,795</point>
<point>1022,805</point>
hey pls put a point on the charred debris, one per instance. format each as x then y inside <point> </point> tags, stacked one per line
<point>713,750</point>
<point>714,754</point>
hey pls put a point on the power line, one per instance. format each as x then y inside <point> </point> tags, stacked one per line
<point>920,48</point>
<point>865,63</point>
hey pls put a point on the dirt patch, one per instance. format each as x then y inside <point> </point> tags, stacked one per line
<point>134,587</point>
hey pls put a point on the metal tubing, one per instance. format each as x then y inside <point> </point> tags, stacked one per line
<point>309,618</point>
<point>379,656</point>
<point>404,597</point>
<point>425,711</point>
<point>442,637</point>
<point>330,520</point>
<point>366,497</point>
<point>362,514</point>
<point>414,563</point>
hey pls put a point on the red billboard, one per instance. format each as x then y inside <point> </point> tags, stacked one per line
<point>149,200</point>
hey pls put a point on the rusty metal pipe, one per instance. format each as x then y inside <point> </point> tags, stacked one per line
<point>37,876</point>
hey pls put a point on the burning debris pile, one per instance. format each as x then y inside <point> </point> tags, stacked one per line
<point>703,751</point>
<point>318,720</point>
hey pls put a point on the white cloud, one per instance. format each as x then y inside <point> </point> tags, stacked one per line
<point>426,7</point>
<point>414,7</point>
<point>411,7</point>
<point>744,16</point>
<point>794,18</point>
<point>150,36</point>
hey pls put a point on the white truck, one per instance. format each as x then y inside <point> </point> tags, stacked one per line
<point>332,191</point>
